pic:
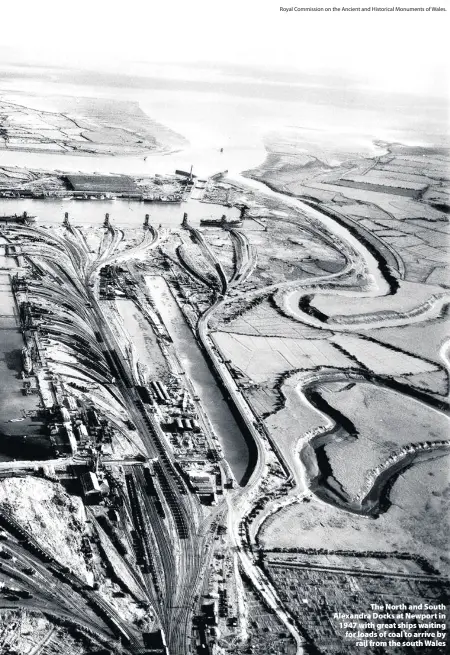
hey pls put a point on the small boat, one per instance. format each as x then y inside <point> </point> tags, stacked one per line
<point>16,420</point>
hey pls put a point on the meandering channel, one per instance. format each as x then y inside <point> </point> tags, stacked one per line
<point>380,284</point>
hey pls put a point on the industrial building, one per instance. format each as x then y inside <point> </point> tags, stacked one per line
<point>186,424</point>
<point>202,482</point>
<point>63,439</point>
<point>101,184</point>
<point>90,486</point>
<point>65,416</point>
<point>71,403</point>
<point>155,642</point>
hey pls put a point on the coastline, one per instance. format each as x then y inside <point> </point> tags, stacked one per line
<point>90,153</point>
<point>82,126</point>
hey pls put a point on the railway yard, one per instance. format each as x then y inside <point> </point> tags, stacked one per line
<point>214,437</point>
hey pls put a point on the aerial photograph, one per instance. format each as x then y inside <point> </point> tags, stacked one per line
<point>224,328</point>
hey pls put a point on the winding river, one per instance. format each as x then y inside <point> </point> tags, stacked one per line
<point>131,213</point>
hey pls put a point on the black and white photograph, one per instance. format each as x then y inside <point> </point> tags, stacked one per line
<point>224,327</point>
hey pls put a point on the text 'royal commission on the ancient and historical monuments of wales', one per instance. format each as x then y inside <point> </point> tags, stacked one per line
<point>351,9</point>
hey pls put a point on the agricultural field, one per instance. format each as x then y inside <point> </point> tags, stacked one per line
<point>415,229</point>
<point>296,157</point>
<point>422,250</point>
<point>414,522</point>
<point>383,423</point>
<point>88,125</point>
<point>264,357</point>
<point>398,182</point>
<point>262,318</point>
<point>420,339</point>
<point>417,234</point>
<point>263,399</point>
<point>382,360</point>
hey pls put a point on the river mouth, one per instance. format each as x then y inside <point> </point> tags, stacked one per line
<point>206,161</point>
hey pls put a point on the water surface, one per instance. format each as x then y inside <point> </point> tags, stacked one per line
<point>124,213</point>
<point>193,361</point>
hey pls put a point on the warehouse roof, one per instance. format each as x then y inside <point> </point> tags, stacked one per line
<point>89,483</point>
<point>101,183</point>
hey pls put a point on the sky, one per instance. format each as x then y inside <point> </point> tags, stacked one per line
<point>389,51</point>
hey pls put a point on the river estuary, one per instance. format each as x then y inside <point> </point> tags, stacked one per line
<point>207,159</point>
<point>131,214</point>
